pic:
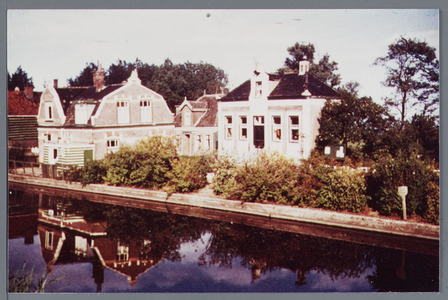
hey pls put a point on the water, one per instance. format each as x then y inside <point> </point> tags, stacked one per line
<point>91,246</point>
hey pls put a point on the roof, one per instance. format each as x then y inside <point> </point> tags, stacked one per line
<point>290,86</point>
<point>209,118</point>
<point>90,95</point>
<point>19,104</point>
<point>67,94</point>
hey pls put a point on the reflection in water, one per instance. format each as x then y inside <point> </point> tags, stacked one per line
<point>134,243</point>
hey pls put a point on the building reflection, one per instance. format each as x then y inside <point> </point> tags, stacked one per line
<point>66,238</point>
<point>130,241</point>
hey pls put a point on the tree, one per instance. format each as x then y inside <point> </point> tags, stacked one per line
<point>413,71</point>
<point>354,120</point>
<point>324,69</point>
<point>19,79</point>
<point>85,77</point>
<point>190,80</point>
<point>117,73</point>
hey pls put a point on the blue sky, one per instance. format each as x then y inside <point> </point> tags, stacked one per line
<point>57,44</point>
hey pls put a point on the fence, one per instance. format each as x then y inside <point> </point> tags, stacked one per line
<point>34,169</point>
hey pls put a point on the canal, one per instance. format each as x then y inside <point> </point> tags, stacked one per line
<point>89,244</point>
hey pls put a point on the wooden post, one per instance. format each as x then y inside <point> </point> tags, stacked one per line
<point>403,191</point>
<point>23,166</point>
<point>32,168</point>
<point>15,166</point>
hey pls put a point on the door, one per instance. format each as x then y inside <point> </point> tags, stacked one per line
<point>259,132</point>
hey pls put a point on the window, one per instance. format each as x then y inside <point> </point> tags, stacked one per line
<point>243,128</point>
<point>187,115</point>
<point>123,112</point>
<point>49,111</point>
<point>80,245</point>
<point>208,142</point>
<point>258,89</point>
<point>113,144</point>
<point>49,239</point>
<point>55,154</point>
<point>228,127</point>
<point>122,252</point>
<point>276,128</point>
<point>294,128</point>
<point>198,141</point>
<point>145,111</point>
<point>49,137</point>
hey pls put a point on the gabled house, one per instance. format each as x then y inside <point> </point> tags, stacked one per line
<point>75,125</point>
<point>196,125</point>
<point>273,112</point>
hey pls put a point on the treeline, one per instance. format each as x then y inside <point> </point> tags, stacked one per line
<point>173,81</point>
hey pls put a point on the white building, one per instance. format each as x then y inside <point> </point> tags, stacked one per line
<point>273,112</point>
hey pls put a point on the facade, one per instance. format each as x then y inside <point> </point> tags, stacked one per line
<point>77,124</point>
<point>196,125</point>
<point>274,113</point>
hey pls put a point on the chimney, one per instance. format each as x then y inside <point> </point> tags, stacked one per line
<point>98,78</point>
<point>304,67</point>
<point>55,83</point>
<point>29,91</point>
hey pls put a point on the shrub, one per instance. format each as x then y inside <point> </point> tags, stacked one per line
<point>343,189</point>
<point>266,177</point>
<point>188,173</point>
<point>389,173</point>
<point>432,200</point>
<point>145,164</point>
<point>224,168</point>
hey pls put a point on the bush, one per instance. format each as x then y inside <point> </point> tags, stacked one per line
<point>267,177</point>
<point>432,200</point>
<point>188,173</point>
<point>389,173</point>
<point>144,165</point>
<point>224,168</point>
<point>343,189</point>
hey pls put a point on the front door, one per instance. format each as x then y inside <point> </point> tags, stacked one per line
<point>259,132</point>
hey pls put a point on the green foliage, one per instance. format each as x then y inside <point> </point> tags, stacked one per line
<point>188,173</point>
<point>144,165</point>
<point>389,173</point>
<point>343,189</point>
<point>85,77</point>
<point>266,177</point>
<point>173,81</point>
<point>25,282</point>
<point>324,69</point>
<point>224,169</point>
<point>413,71</point>
<point>432,200</point>
<point>353,121</point>
<point>19,79</point>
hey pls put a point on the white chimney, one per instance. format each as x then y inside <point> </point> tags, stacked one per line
<point>304,67</point>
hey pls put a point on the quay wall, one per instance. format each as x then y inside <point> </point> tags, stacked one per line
<point>280,212</point>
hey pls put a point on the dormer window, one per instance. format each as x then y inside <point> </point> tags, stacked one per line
<point>123,112</point>
<point>187,117</point>
<point>145,111</point>
<point>258,89</point>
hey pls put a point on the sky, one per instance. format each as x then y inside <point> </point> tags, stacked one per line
<point>57,44</point>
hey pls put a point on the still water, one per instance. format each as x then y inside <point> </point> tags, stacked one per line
<point>91,246</point>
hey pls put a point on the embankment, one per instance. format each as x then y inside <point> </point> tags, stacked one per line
<point>279,212</point>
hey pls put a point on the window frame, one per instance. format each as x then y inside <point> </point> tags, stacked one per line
<point>228,135</point>
<point>294,127</point>
<point>276,127</point>
<point>123,112</point>
<point>242,127</point>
